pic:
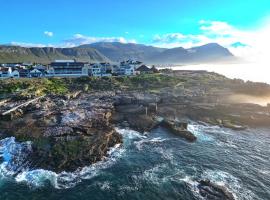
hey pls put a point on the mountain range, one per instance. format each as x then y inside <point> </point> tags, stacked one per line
<point>115,52</point>
<point>14,54</point>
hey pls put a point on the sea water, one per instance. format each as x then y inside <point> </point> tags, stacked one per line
<point>156,165</point>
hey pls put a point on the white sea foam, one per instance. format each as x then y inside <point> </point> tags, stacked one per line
<point>106,185</point>
<point>193,185</point>
<point>10,149</point>
<point>221,178</point>
<point>39,177</point>
<point>200,132</point>
<point>130,134</point>
<point>233,184</point>
<point>146,141</point>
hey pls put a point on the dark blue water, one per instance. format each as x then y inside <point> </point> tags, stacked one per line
<point>155,166</point>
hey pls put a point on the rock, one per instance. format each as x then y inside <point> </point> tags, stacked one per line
<point>141,123</point>
<point>67,153</point>
<point>179,129</point>
<point>64,138</point>
<point>231,125</point>
<point>212,191</point>
<point>123,100</point>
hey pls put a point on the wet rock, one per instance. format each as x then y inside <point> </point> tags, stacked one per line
<point>233,126</point>
<point>212,191</point>
<point>141,123</point>
<point>179,129</point>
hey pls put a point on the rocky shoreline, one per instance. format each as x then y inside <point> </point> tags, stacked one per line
<point>76,129</point>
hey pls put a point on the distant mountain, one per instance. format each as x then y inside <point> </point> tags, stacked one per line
<point>210,52</point>
<point>13,54</point>
<point>175,55</point>
<point>116,51</point>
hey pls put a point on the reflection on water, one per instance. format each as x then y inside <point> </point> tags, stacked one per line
<point>256,72</point>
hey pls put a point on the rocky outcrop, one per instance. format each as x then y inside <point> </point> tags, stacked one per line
<point>66,133</point>
<point>179,129</point>
<point>212,191</point>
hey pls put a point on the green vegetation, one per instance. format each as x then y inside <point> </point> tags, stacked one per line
<point>61,86</point>
<point>21,88</point>
<point>35,87</point>
<point>141,82</point>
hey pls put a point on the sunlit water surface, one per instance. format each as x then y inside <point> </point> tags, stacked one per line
<point>257,72</point>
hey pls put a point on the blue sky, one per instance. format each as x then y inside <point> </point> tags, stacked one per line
<point>156,22</point>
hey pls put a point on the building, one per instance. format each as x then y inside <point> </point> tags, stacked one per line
<point>127,70</point>
<point>24,73</point>
<point>35,73</point>
<point>15,74</point>
<point>133,63</point>
<point>68,68</point>
<point>96,70</point>
<point>143,69</point>
<point>101,70</point>
<point>7,72</point>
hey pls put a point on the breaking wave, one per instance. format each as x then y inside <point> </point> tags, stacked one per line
<point>11,150</point>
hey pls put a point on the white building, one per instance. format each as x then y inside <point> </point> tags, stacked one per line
<point>36,73</point>
<point>15,74</point>
<point>6,72</point>
<point>68,68</point>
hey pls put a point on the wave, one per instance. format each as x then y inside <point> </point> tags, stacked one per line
<point>233,184</point>
<point>146,141</point>
<point>64,180</point>
<point>200,132</point>
<point>10,150</point>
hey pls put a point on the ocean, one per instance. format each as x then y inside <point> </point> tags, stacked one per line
<point>256,72</point>
<point>156,165</point>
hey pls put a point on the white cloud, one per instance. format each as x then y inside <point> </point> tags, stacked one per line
<point>25,44</point>
<point>76,40</point>
<point>48,33</point>
<point>256,42</point>
<point>79,39</point>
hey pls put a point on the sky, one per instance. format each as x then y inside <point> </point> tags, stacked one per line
<point>164,23</point>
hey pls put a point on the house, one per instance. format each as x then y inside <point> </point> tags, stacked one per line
<point>15,74</point>
<point>115,70</point>
<point>131,62</point>
<point>6,72</point>
<point>40,67</point>
<point>101,70</point>
<point>127,70</point>
<point>143,69</point>
<point>50,71</point>
<point>106,68</point>
<point>36,73</point>
<point>69,68</point>
<point>96,70</point>
<point>24,73</point>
